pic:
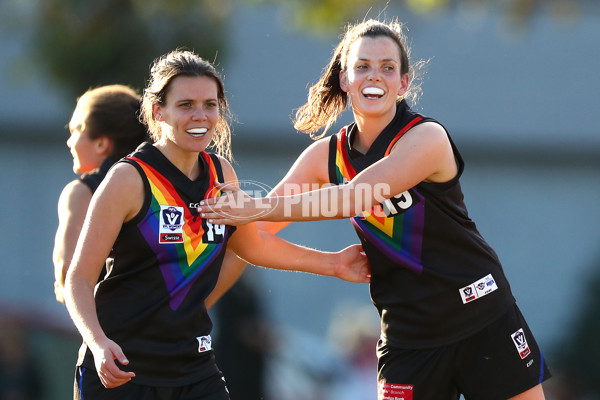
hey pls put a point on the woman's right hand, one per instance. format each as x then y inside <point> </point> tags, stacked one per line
<point>105,354</point>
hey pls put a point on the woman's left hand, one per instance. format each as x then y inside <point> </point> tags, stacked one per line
<point>354,265</point>
<point>235,207</point>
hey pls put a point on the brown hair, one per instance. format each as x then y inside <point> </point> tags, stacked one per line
<point>184,63</point>
<point>113,112</point>
<point>327,100</point>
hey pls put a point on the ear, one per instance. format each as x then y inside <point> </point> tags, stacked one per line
<point>344,81</point>
<point>404,82</point>
<point>103,145</point>
<point>156,112</point>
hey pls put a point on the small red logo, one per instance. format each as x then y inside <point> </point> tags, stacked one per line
<point>394,391</point>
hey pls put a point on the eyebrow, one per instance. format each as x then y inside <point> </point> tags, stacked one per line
<point>383,59</point>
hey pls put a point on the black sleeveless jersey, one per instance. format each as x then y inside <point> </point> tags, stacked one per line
<point>166,261</point>
<point>434,278</point>
<point>92,179</point>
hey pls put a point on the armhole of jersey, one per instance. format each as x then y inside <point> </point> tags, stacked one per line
<point>459,160</point>
<point>457,156</point>
<point>146,204</point>
<point>91,182</point>
<point>331,161</point>
<point>218,167</point>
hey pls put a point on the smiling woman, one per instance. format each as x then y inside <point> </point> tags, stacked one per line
<point>145,327</point>
<point>450,324</point>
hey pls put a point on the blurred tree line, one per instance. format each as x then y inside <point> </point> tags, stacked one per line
<point>81,43</point>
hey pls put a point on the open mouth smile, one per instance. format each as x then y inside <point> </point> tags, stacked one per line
<point>197,132</point>
<point>373,93</point>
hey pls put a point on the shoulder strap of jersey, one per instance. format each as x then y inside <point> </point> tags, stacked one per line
<point>215,173</point>
<point>340,169</point>
<point>331,159</point>
<point>410,124</point>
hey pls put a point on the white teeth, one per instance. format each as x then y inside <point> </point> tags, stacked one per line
<point>197,131</point>
<point>373,91</point>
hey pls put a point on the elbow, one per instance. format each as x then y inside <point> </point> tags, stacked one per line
<point>59,292</point>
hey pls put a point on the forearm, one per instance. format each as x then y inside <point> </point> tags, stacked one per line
<point>79,299</point>
<point>274,252</point>
<point>231,270</point>
<point>332,202</point>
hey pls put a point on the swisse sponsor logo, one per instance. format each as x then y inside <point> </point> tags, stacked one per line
<point>169,237</point>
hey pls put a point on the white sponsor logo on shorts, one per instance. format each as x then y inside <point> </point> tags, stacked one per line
<point>485,285</point>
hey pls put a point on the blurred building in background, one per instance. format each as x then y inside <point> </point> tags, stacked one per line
<point>519,101</point>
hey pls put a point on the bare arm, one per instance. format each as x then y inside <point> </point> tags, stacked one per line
<point>231,270</point>
<point>270,251</point>
<point>72,207</point>
<point>423,154</point>
<point>100,229</point>
<point>309,171</point>
<point>265,249</point>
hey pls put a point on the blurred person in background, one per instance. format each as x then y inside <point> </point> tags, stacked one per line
<point>105,127</point>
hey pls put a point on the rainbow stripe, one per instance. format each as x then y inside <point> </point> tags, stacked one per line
<point>399,237</point>
<point>180,263</point>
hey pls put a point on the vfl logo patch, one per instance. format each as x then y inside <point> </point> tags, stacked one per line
<point>521,343</point>
<point>170,224</point>
<point>204,343</point>
<point>485,285</point>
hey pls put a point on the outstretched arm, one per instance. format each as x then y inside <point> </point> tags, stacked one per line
<point>265,249</point>
<point>270,251</point>
<point>423,154</point>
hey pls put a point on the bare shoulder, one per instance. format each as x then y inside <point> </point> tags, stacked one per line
<point>430,131</point>
<point>122,182</point>
<point>121,175</point>
<point>75,193</point>
<point>430,140</point>
<point>318,150</point>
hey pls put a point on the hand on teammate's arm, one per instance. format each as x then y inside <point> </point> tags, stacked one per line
<point>265,249</point>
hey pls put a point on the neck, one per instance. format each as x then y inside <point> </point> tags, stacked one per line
<point>185,161</point>
<point>369,127</point>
